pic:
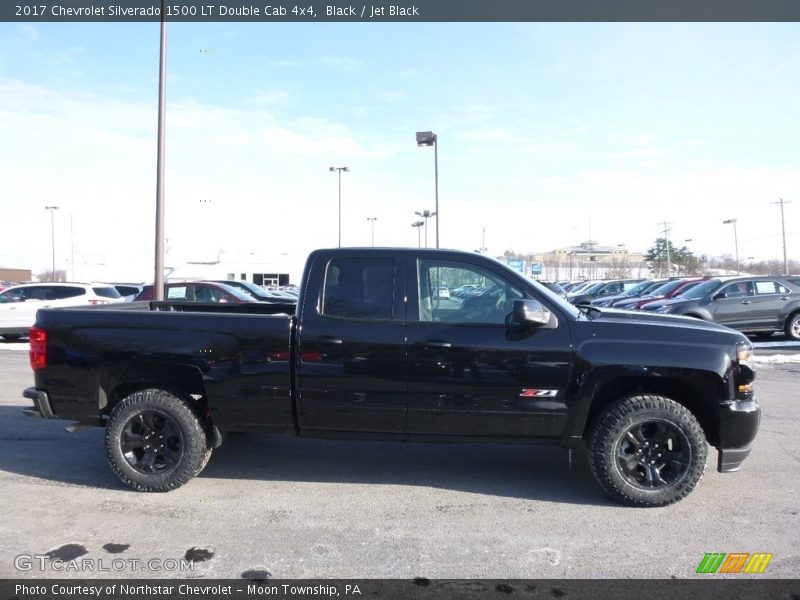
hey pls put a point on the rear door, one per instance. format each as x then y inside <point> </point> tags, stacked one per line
<point>351,358</point>
<point>470,373</point>
<point>768,303</point>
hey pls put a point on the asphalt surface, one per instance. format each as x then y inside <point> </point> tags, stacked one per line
<point>286,508</point>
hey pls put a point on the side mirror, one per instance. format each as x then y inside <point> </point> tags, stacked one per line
<point>530,312</point>
<point>718,296</point>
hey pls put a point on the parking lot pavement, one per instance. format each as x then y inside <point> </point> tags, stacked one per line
<point>300,508</point>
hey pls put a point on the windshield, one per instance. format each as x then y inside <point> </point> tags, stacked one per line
<point>702,290</point>
<point>640,287</point>
<point>666,288</point>
<point>237,293</point>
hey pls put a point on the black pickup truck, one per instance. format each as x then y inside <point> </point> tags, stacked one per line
<point>377,348</point>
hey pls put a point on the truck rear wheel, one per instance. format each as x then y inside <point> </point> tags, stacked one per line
<point>156,441</point>
<point>647,450</point>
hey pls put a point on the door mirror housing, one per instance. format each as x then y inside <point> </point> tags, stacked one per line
<point>530,312</point>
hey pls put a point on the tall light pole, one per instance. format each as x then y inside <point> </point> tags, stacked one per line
<point>418,225</point>
<point>339,170</point>
<point>158,276</point>
<point>372,225</point>
<point>735,241</point>
<point>783,230</point>
<point>52,210</point>
<point>666,225</point>
<point>428,138</point>
<point>425,214</point>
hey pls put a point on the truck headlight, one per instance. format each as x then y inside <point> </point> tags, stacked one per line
<point>744,355</point>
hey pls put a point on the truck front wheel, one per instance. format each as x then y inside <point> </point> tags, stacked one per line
<point>156,441</point>
<point>647,450</point>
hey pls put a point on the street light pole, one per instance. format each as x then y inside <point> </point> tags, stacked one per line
<point>418,225</point>
<point>372,224</point>
<point>735,241</point>
<point>158,276</point>
<point>428,138</point>
<point>783,230</point>
<point>339,170</point>
<point>52,210</point>
<point>425,214</point>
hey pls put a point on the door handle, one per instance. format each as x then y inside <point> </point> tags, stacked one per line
<point>437,345</point>
<point>784,298</point>
<point>746,302</point>
<point>327,339</point>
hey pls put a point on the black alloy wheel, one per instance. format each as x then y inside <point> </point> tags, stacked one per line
<point>151,442</point>
<point>653,454</point>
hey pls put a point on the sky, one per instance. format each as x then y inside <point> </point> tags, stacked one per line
<point>549,134</point>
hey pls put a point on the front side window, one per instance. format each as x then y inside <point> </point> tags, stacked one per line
<point>490,301</point>
<point>740,289</point>
<point>359,288</point>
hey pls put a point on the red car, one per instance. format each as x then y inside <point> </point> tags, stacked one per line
<point>197,291</point>
<point>684,285</point>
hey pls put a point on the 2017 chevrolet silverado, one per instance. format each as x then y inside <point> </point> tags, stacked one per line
<point>372,350</point>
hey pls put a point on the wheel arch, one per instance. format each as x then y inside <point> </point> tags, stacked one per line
<point>698,394</point>
<point>120,380</point>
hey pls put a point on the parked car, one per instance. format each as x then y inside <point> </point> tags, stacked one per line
<point>679,290</point>
<point>19,303</point>
<point>256,291</point>
<point>369,352</point>
<point>655,294</point>
<point>443,292</point>
<point>637,291</point>
<point>602,289</point>
<point>555,288</point>
<point>198,291</point>
<point>757,305</point>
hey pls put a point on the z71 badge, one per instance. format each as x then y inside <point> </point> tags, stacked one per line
<point>533,393</point>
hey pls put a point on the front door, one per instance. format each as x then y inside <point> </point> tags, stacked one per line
<point>470,372</point>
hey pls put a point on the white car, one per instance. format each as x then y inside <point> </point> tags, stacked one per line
<point>19,303</point>
<point>443,292</point>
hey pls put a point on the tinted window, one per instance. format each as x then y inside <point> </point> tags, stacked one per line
<point>64,292</point>
<point>666,288</point>
<point>107,292</point>
<point>359,288</point>
<point>127,290</point>
<point>204,293</point>
<point>769,287</point>
<point>44,292</point>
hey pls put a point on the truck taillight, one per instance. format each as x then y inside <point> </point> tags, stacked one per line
<point>38,353</point>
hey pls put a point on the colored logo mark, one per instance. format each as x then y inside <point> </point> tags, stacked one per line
<point>735,562</point>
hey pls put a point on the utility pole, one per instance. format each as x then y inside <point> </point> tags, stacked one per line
<point>372,224</point>
<point>52,210</point>
<point>735,242</point>
<point>783,231</point>
<point>666,225</point>
<point>666,231</point>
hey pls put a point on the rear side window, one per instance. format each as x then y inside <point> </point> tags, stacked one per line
<point>359,288</point>
<point>107,292</point>
<point>127,290</point>
<point>62,293</point>
<point>769,287</point>
<point>176,293</point>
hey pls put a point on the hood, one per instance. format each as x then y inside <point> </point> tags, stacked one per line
<point>647,320</point>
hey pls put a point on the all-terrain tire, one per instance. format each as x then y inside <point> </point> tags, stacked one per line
<point>647,450</point>
<point>156,441</point>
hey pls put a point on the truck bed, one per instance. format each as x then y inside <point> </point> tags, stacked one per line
<point>237,356</point>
